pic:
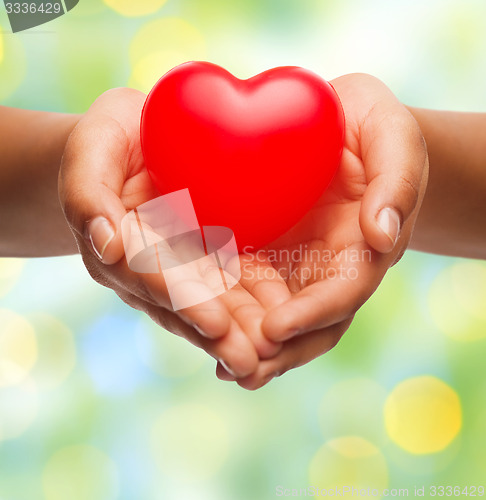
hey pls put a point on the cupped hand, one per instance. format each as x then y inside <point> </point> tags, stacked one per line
<point>102,177</point>
<point>303,290</point>
<point>333,260</point>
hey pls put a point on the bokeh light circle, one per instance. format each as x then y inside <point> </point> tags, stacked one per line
<point>150,68</point>
<point>456,301</point>
<point>56,351</point>
<point>131,8</point>
<point>10,269</point>
<point>165,353</point>
<point>12,64</point>
<point>190,442</point>
<point>423,415</point>
<point>18,348</point>
<point>18,409</point>
<point>80,472</point>
<point>348,461</point>
<point>159,46</point>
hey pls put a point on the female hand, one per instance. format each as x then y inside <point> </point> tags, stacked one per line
<point>357,230</point>
<point>102,177</point>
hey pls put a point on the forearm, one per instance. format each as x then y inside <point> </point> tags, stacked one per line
<point>452,220</point>
<point>31,220</point>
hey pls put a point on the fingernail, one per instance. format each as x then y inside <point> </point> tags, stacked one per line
<point>227,367</point>
<point>388,221</point>
<point>100,232</point>
<point>200,331</point>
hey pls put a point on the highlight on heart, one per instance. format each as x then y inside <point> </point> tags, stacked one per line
<point>201,130</point>
<point>238,145</point>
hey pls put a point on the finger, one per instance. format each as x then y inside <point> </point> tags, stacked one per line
<point>295,352</point>
<point>223,374</point>
<point>242,304</point>
<point>347,284</point>
<point>235,351</point>
<point>395,160</point>
<point>208,314</point>
<point>191,288</point>
<point>211,318</point>
<point>262,280</point>
<point>94,169</point>
<point>249,314</point>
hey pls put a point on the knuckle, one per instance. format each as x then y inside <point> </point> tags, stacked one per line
<point>400,120</point>
<point>209,271</point>
<point>410,188</point>
<point>366,78</point>
<point>121,92</point>
<point>414,134</point>
<point>71,199</point>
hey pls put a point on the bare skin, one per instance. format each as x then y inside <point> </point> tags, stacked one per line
<point>283,313</point>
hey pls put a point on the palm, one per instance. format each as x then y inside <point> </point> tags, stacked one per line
<point>284,297</point>
<point>331,227</point>
<point>384,164</point>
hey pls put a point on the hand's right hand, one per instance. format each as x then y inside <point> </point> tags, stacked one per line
<point>102,177</point>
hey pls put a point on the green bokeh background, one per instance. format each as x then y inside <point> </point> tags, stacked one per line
<point>98,403</point>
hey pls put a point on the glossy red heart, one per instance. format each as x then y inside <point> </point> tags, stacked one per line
<point>255,154</point>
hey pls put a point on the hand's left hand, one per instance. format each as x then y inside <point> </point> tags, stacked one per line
<point>358,229</point>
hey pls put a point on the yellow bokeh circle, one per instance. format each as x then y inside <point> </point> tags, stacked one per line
<point>135,8</point>
<point>18,409</point>
<point>80,472</point>
<point>159,46</point>
<point>456,301</point>
<point>152,67</point>
<point>18,348</point>
<point>423,415</point>
<point>348,461</point>
<point>12,64</point>
<point>190,442</point>
<point>10,269</point>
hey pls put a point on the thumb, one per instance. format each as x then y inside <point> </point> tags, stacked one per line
<point>91,179</point>
<point>395,159</point>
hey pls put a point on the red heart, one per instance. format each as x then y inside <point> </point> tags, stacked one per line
<point>255,154</point>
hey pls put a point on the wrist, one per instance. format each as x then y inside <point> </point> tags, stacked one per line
<point>451,220</point>
<point>32,147</point>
